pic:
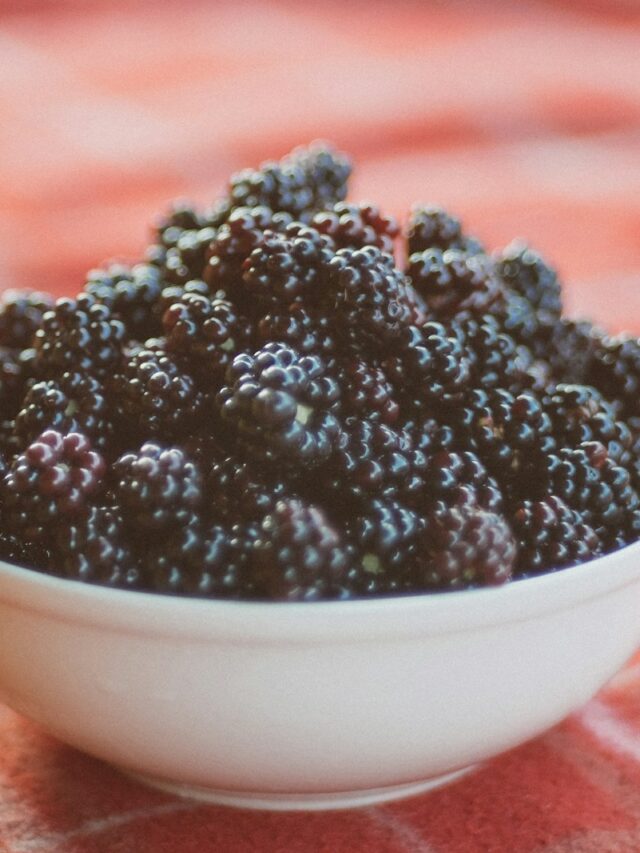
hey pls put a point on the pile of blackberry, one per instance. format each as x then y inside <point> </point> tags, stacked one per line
<point>270,405</point>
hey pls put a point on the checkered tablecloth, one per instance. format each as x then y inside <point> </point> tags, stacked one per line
<point>523,118</point>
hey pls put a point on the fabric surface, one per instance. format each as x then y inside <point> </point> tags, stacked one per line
<point>523,118</point>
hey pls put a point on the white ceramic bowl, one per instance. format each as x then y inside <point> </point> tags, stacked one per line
<point>319,705</point>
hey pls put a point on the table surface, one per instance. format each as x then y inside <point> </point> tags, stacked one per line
<point>522,118</point>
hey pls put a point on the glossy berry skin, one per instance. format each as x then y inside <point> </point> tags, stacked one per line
<point>308,329</point>
<point>299,555</point>
<point>187,259</point>
<point>495,360</point>
<point>21,313</point>
<point>528,274</point>
<point>551,536</point>
<point>131,294</point>
<point>355,226</point>
<point>614,370</point>
<point>239,490</point>
<point>282,405</point>
<point>367,392</point>
<point>54,478</point>
<point>14,376</point>
<point>453,478</point>
<point>431,227</point>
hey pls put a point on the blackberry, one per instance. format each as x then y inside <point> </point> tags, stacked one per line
<point>429,361</point>
<point>571,348</point>
<point>54,478</point>
<point>174,293</point>
<point>464,546</point>
<point>432,227</point>
<point>299,555</point>
<point>237,490</point>
<point>94,548</point>
<point>373,459</point>
<point>306,180</point>
<point>615,371</point>
<point>495,361</point>
<point>452,478</point>
<point>187,259</point>
<point>289,266</point>
<point>454,282</point>
<point>551,536</point>
<point>158,489</point>
<point>367,393</point>
<point>13,378</point>
<point>21,313</point>
<point>182,215</point>
<point>131,294</point>
<point>355,226</point>
<point>282,404</point>
<point>153,395</point>
<point>527,273</point>
<point>371,297</point>
<point>78,334</point>
<point>208,332</point>
<point>75,402</point>
<point>309,330</point>
<point>24,552</point>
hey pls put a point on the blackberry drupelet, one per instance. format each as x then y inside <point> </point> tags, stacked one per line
<point>54,478</point>
<point>367,393</point>
<point>237,490</point>
<point>74,402</point>
<point>309,330</point>
<point>570,349</point>
<point>432,227</point>
<point>527,273</point>
<point>299,555</point>
<point>187,259</point>
<point>174,293</point>
<point>454,282</point>
<point>454,478</point>
<point>614,370</point>
<point>158,487</point>
<point>355,226</point>
<point>551,536</point>
<point>14,375</point>
<point>95,548</point>
<point>495,360</point>
<point>182,216</point>
<point>131,294</point>
<point>21,313</point>
<point>282,405</point>
<point>78,334</point>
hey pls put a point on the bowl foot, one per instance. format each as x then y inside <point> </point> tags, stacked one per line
<point>302,802</point>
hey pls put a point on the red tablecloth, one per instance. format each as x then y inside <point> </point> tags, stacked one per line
<point>523,118</point>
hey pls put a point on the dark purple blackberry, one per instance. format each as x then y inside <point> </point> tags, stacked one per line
<point>78,334</point>
<point>524,271</point>
<point>432,227</point>
<point>153,395</point>
<point>182,216</point>
<point>551,536</point>
<point>289,266</point>
<point>570,349</point>
<point>234,242</point>
<point>306,180</point>
<point>187,259</point>
<point>495,360</point>
<point>371,298</point>
<point>174,293</point>
<point>385,535</point>
<point>24,552</point>
<point>367,393</point>
<point>131,294</point>
<point>21,313</point>
<point>355,226</point>
<point>299,555</point>
<point>429,361</point>
<point>158,489</point>
<point>464,546</point>
<point>309,330</point>
<point>207,332</point>
<point>375,460</point>
<point>237,490</point>
<point>94,548</point>
<point>75,402</point>
<point>615,371</point>
<point>453,478</point>
<point>281,404</point>
<point>454,282</point>
<point>54,478</point>
<point>13,378</point>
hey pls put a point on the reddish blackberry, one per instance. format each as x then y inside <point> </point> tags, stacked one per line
<point>21,313</point>
<point>615,371</point>
<point>131,294</point>
<point>551,536</point>
<point>282,405</point>
<point>527,273</point>
<point>299,555</point>
<point>306,180</point>
<point>153,395</point>
<point>432,227</point>
<point>453,478</point>
<point>78,334</point>
<point>157,487</point>
<point>54,478</point>
<point>371,297</point>
<point>367,393</point>
<point>237,490</point>
<point>455,282</point>
<point>75,402</point>
<point>429,361</point>
<point>355,226</point>
<point>464,546</point>
<point>289,266</point>
<point>309,330</point>
<point>94,548</point>
<point>208,332</point>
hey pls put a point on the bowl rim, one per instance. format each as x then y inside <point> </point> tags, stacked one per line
<point>325,622</point>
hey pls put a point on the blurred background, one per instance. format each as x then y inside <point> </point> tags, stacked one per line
<point>523,118</point>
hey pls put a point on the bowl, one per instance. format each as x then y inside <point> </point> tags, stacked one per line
<point>311,705</point>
